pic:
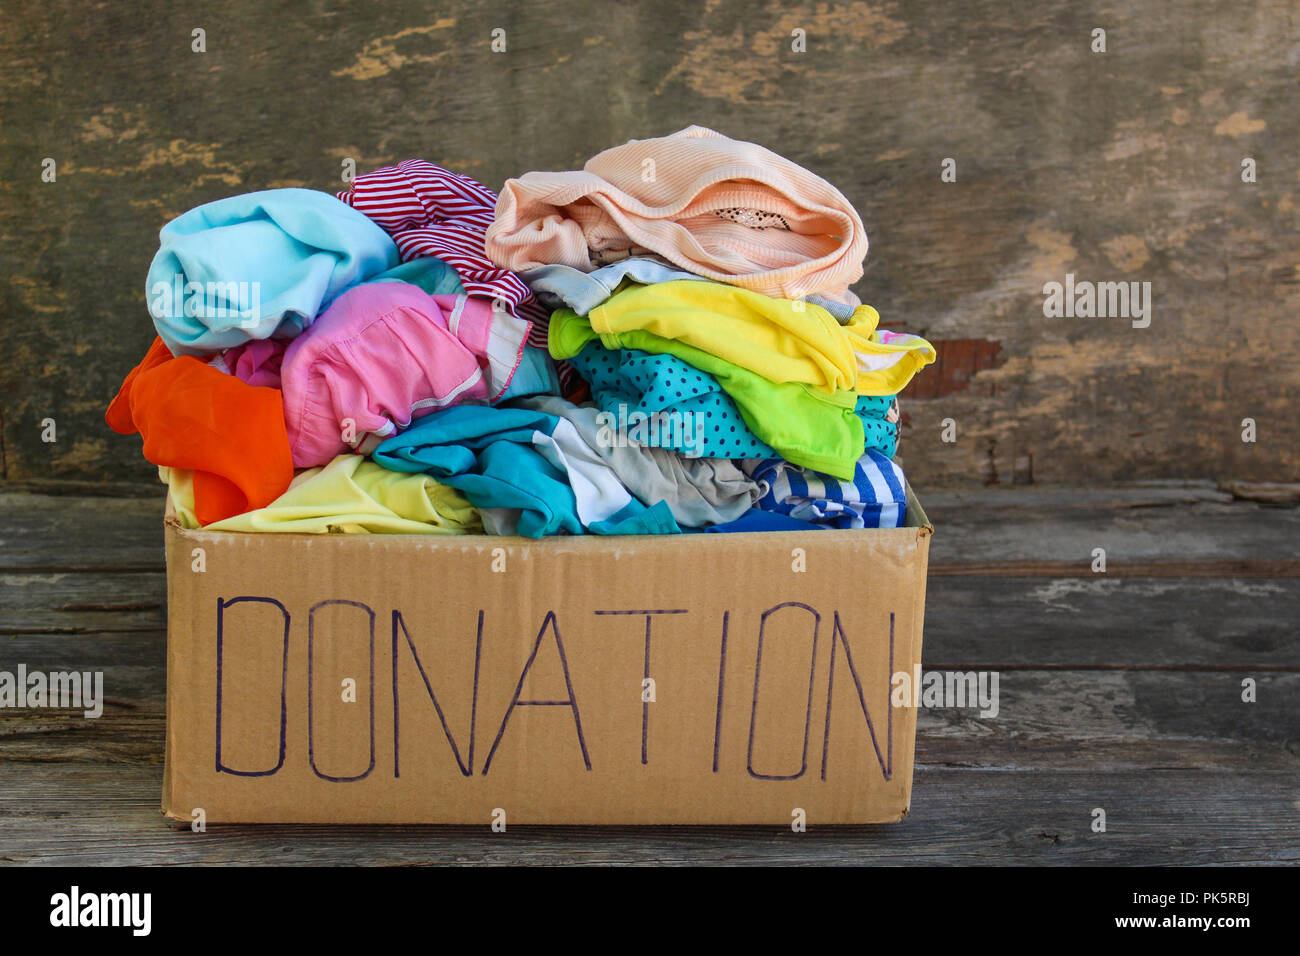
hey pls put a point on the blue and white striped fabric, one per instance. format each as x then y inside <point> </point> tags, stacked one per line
<point>876,498</point>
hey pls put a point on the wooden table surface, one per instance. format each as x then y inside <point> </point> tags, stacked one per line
<point>1120,690</point>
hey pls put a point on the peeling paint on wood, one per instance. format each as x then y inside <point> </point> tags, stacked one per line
<point>1117,166</point>
<point>957,362</point>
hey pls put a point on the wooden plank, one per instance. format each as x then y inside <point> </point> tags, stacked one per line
<point>1041,532</point>
<point>89,489</point>
<point>133,663</point>
<point>70,741</point>
<point>1115,691</point>
<point>1269,492</point>
<point>1232,568</point>
<point>1135,495</point>
<point>1117,721</point>
<point>1106,622</point>
<point>1100,622</point>
<point>68,533</point>
<point>1058,529</point>
<point>1059,719</point>
<point>73,602</point>
<point>109,816</point>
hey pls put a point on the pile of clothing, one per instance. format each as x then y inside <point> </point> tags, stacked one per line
<point>661,342</point>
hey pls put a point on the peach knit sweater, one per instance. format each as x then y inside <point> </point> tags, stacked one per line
<point>724,209</point>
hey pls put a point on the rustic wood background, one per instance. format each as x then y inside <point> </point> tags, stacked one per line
<point>1120,690</point>
<point>1122,165</point>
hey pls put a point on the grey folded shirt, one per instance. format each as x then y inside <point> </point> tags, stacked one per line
<point>698,491</point>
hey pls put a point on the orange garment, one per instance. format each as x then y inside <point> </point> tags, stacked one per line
<point>191,415</point>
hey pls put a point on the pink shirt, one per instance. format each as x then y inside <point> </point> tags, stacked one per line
<point>386,353</point>
<point>429,211</point>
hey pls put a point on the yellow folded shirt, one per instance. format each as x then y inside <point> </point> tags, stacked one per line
<point>350,495</point>
<point>783,340</point>
<point>180,488</point>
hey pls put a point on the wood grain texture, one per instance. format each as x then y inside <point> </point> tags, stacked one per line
<point>74,602</point>
<point>1115,166</point>
<point>1114,692</point>
<point>1075,720</point>
<point>61,534</point>
<point>959,817</point>
<point>1183,522</point>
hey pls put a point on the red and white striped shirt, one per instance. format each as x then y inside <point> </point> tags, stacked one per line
<point>429,211</point>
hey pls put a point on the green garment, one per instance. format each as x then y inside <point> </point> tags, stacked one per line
<point>805,425</point>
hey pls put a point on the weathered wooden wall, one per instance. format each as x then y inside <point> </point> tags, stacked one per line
<point>1122,165</point>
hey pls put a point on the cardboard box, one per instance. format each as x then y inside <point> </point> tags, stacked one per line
<point>699,679</point>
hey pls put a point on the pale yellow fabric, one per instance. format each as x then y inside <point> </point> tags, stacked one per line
<point>180,487</point>
<point>782,340</point>
<point>350,495</point>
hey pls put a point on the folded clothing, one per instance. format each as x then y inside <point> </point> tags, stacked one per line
<point>428,272</point>
<point>230,434</point>
<point>180,490</point>
<point>430,211</point>
<point>529,473</point>
<point>536,375</point>
<point>628,382</point>
<point>721,208</point>
<point>804,424</point>
<point>561,285</point>
<point>258,265</point>
<point>386,353</point>
<point>698,491</point>
<point>351,495</point>
<point>258,361</point>
<point>875,498</point>
<point>781,340</point>
<point>700,283</point>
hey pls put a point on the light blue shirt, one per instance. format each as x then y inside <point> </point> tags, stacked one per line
<point>258,265</point>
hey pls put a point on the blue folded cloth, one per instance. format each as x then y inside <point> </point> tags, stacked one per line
<point>258,266</point>
<point>528,472</point>
<point>875,498</point>
<point>755,520</point>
